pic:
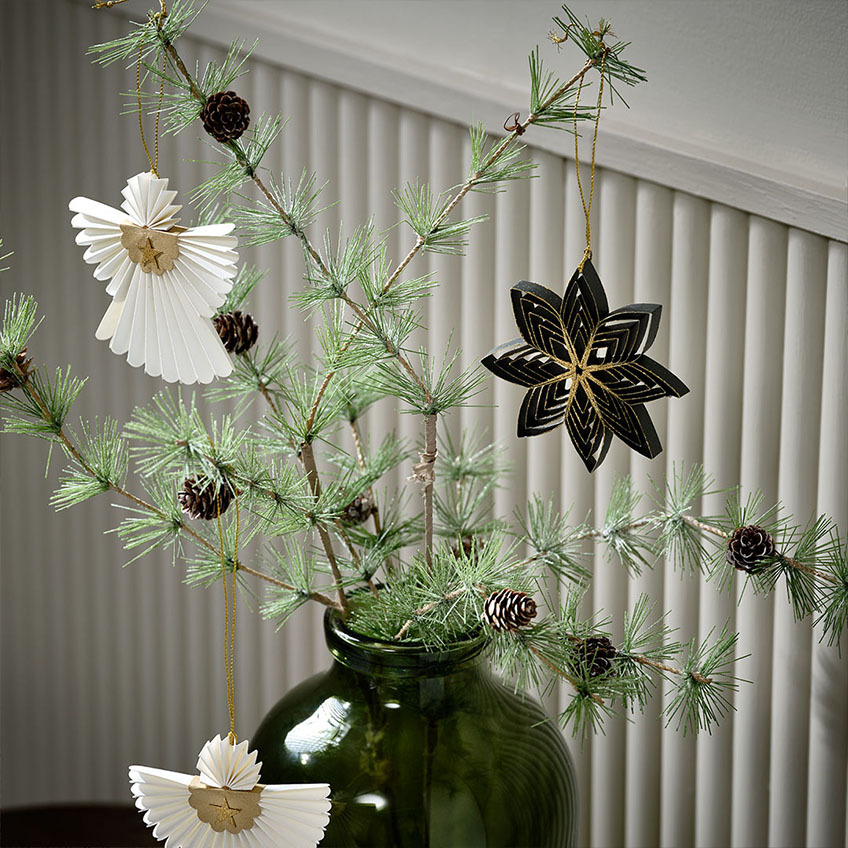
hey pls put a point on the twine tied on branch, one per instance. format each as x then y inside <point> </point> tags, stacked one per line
<point>425,471</point>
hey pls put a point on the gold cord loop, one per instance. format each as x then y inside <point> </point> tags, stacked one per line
<point>587,207</point>
<point>229,620</point>
<point>158,17</point>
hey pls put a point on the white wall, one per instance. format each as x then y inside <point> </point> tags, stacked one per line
<point>760,85</point>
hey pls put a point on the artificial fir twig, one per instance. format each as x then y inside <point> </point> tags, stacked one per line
<point>432,598</point>
<point>563,674</point>
<point>26,386</point>
<point>308,247</point>
<point>363,318</point>
<point>425,609</point>
<point>457,198</point>
<point>790,561</point>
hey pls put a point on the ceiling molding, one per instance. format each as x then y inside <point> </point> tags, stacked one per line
<point>376,69</point>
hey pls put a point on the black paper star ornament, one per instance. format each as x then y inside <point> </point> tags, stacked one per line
<point>585,366</point>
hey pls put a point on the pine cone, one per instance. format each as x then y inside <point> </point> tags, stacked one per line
<point>204,503</point>
<point>225,116</point>
<point>508,610</point>
<point>596,653</point>
<point>360,509</point>
<point>9,379</point>
<point>748,546</point>
<point>238,331</point>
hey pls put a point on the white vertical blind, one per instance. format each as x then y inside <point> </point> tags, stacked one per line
<point>798,471</point>
<point>103,666</point>
<point>725,321</point>
<point>828,743</point>
<point>613,246</point>
<point>652,284</point>
<point>689,248</point>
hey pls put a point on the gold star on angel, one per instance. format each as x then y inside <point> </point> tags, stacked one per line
<point>149,256</point>
<point>226,813</point>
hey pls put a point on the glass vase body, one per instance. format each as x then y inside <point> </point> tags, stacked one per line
<point>422,749</point>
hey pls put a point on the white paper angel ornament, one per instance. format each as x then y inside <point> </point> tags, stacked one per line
<point>166,281</point>
<point>225,806</point>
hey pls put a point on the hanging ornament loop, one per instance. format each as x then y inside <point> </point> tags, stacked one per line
<point>153,160</point>
<point>229,619</point>
<point>587,207</point>
<point>157,19</point>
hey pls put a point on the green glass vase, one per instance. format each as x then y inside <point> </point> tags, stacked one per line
<point>422,749</point>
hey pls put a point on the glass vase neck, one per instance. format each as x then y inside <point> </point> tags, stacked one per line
<point>379,658</point>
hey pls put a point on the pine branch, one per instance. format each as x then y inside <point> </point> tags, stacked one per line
<point>704,684</point>
<point>90,467</point>
<point>249,165</point>
<point>480,176</point>
<point>563,674</point>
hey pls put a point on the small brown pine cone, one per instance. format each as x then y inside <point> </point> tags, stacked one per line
<point>596,653</point>
<point>225,116</point>
<point>360,509</point>
<point>748,546</point>
<point>508,610</point>
<point>238,331</point>
<point>9,379</point>
<point>204,503</point>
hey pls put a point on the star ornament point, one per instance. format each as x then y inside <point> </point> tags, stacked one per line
<point>585,366</point>
<point>165,281</point>
<point>225,806</point>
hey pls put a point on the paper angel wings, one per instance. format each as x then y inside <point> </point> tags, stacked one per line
<point>226,805</point>
<point>166,281</point>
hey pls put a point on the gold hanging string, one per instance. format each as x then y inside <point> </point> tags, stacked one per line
<point>587,208</point>
<point>229,620</point>
<point>157,18</point>
<point>153,160</point>
<point>231,692</point>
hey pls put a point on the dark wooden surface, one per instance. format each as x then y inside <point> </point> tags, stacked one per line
<point>74,826</point>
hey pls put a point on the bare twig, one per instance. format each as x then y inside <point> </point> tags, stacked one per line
<point>428,460</point>
<point>704,528</point>
<point>671,669</point>
<point>375,512</point>
<point>315,485</point>
<point>313,596</point>
<point>263,388</point>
